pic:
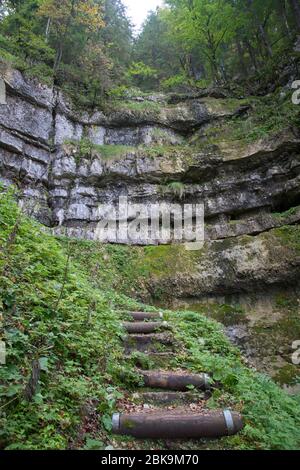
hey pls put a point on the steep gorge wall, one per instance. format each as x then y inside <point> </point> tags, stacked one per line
<point>247,188</point>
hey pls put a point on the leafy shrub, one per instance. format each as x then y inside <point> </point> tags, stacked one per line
<point>272,418</point>
<point>52,312</point>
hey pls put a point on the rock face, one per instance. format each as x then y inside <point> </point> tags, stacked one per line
<point>68,164</point>
<point>148,152</point>
<point>230,267</point>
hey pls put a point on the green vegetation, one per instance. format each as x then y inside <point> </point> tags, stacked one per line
<point>272,418</point>
<point>84,47</point>
<point>54,313</point>
<point>290,235</point>
<point>111,266</point>
<point>288,375</point>
<point>60,303</point>
<point>269,115</point>
<point>84,148</point>
<point>176,188</point>
<point>88,48</point>
<point>288,213</point>
<point>244,44</point>
<point>62,300</point>
<point>164,260</point>
<point>267,118</point>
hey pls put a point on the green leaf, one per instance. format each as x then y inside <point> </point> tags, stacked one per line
<point>107,423</point>
<point>43,361</point>
<point>93,444</point>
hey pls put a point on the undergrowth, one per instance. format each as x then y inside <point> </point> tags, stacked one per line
<point>60,305</point>
<point>52,313</point>
<point>270,114</point>
<point>272,418</point>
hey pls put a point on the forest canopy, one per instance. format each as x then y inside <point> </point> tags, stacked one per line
<point>88,46</point>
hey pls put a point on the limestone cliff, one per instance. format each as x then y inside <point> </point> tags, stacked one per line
<point>140,148</point>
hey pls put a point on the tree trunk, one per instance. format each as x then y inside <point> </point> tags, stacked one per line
<point>214,69</point>
<point>295,6</point>
<point>261,29</point>
<point>265,40</point>
<point>32,385</point>
<point>241,58</point>
<point>282,14</point>
<point>251,53</point>
<point>58,57</point>
<point>48,29</point>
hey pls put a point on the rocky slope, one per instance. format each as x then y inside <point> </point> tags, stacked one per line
<point>67,162</point>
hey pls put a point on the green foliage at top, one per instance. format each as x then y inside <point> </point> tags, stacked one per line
<point>82,46</point>
<point>154,49</point>
<point>88,48</point>
<point>196,42</point>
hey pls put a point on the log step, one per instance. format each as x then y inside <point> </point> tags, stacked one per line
<point>175,381</point>
<point>153,342</point>
<point>144,327</point>
<point>166,398</point>
<point>177,424</point>
<point>143,316</point>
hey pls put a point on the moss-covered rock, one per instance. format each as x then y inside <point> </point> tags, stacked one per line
<point>242,264</point>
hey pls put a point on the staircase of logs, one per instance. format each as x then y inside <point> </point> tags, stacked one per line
<point>176,412</point>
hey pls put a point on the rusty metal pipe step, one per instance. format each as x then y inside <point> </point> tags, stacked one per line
<point>175,381</point>
<point>177,424</point>
<point>142,316</point>
<point>144,327</point>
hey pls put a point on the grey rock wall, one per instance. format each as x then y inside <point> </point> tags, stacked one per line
<point>63,188</point>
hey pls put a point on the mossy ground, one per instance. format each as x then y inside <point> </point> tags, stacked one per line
<point>60,304</point>
<point>290,235</point>
<point>85,149</point>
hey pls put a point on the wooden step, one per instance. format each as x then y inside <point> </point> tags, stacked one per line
<point>143,316</point>
<point>178,381</point>
<point>153,342</point>
<point>177,424</point>
<point>144,327</point>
